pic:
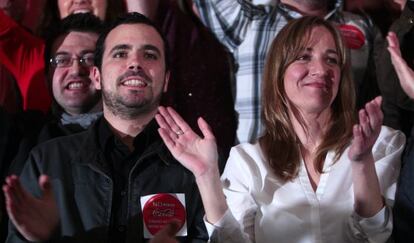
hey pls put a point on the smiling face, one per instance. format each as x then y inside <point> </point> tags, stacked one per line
<point>311,81</point>
<point>133,73</point>
<point>72,86</point>
<point>96,7</point>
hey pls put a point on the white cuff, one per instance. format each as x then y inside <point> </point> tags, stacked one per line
<point>227,221</point>
<point>372,224</point>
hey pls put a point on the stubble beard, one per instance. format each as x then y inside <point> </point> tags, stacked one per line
<point>118,106</point>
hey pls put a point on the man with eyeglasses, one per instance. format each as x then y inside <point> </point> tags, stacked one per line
<point>71,84</point>
<point>69,59</point>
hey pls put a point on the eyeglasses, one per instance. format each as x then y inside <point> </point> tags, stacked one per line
<point>65,60</point>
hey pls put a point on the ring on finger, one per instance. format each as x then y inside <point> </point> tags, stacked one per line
<point>179,132</point>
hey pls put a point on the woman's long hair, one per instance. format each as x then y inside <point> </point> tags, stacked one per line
<point>279,143</point>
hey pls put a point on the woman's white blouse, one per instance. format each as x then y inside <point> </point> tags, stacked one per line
<point>264,209</point>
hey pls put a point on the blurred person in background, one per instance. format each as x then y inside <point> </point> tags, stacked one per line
<point>398,107</point>
<point>10,98</point>
<point>382,12</point>
<point>21,52</point>
<point>54,10</point>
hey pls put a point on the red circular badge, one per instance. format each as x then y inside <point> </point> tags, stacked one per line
<point>352,35</point>
<point>160,209</point>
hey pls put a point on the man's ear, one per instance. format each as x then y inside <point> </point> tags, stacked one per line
<point>96,78</point>
<point>166,81</point>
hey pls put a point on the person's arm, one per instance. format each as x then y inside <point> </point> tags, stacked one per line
<point>396,105</point>
<point>148,8</point>
<point>404,72</point>
<point>374,174</point>
<point>199,155</point>
<point>31,205</point>
<point>368,199</point>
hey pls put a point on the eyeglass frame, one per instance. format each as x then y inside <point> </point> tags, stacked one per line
<point>81,60</point>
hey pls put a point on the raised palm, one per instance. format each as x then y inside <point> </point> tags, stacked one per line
<point>367,131</point>
<point>404,72</point>
<point>35,218</point>
<point>197,154</point>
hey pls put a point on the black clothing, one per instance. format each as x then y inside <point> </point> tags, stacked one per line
<point>53,128</point>
<point>84,186</point>
<point>9,138</point>
<point>12,128</point>
<point>403,210</point>
<point>120,161</point>
<point>398,108</point>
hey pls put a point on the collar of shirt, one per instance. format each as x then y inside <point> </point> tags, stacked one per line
<point>83,120</point>
<point>108,140</point>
